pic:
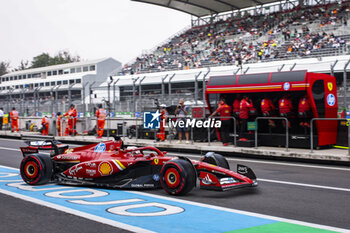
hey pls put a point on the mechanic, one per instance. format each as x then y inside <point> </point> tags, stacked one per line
<point>285,109</point>
<point>59,123</point>
<point>14,119</point>
<point>268,109</point>
<point>71,115</point>
<point>225,113</point>
<point>163,118</point>
<point>101,115</point>
<point>244,107</point>
<point>181,112</point>
<point>45,125</point>
<point>304,111</point>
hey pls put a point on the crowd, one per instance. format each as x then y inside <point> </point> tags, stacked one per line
<point>233,41</point>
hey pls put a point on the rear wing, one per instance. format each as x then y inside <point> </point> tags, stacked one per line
<point>51,147</point>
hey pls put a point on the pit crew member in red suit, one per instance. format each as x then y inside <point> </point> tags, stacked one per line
<point>71,114</point>
<point>163,118</point>
<point>304,110</point>
<point>14,119</point>
<point>45,125</point>
<point>225,113</point>
<point>101,115</point>
<point>244,107</point>
<point>285,108</point>
<point>268,109</point>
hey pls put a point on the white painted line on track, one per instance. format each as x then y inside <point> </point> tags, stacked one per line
<point>305,185</point>
<point>244,212</point>
<point>76,212</point>
<point>6,148</point>
<point>137,229</point>
<point>267,162</point>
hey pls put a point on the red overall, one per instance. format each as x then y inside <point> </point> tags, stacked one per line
<point>14,120</point>
<point>236,107</point>
<point>304,110</point>
<point>101,115</point>
<point>266,106</point>
<point>161,133</point>
<point>244,108</point>
<point>304,105</point>
<point>285,106</point>
<point>45,123</point>
<point>72,121</point>
<point>58,123</point>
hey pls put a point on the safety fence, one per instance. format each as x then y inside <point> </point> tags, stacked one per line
<point>198,129</point>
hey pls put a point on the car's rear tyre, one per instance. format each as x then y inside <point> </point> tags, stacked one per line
<point>178,177</point>
<point>36,169</point>
<point>216,159</point>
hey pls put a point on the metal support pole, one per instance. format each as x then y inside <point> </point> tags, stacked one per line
<point>196,87</point>
<point>344,83</point>
<point>90,99</point>
<point>332,67</point>
<point>281,68</point>
<point>204,87</point>
<point>56,97</point>
<point>52,100</point>
<point>169,87</point>
<point>114,106</point>
<point>246,70</point>
<point>109,94</point>
<point>140,91</point>
<point>133,94</point>
<point>271,118</point>
<point>293,66</point>
<point>70,93</point>
<point>163,88</point>
<point>84,96</point>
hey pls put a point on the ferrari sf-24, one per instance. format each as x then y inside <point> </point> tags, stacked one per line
<point>109,164</point>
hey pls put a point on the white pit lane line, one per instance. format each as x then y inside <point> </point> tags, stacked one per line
<point>267,162</point>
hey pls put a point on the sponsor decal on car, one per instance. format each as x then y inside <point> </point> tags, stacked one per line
<point>67,151</point>
<point>74,170</point>
<point>91,172</point>
<point>105,168</point>
<point>101,147</point>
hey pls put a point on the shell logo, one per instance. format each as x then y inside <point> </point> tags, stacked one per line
<point>105,168</point>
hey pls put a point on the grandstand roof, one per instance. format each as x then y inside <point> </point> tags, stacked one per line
<point>202,8</point>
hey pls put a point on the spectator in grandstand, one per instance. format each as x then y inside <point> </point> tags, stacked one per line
<point>180,113</point>
<point>225,113</point>
<point>1,117</point>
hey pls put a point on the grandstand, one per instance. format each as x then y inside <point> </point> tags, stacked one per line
<point>251,38</point>
<point>314,30</point>
<point>54,88</point>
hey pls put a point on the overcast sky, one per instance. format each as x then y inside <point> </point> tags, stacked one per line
<point>92,29</point>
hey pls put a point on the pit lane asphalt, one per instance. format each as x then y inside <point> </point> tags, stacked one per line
<point>295,199</point>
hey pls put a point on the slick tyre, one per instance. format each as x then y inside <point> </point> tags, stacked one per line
<point>178,177</point>
<point>36,169</point>
<point>216,159</point>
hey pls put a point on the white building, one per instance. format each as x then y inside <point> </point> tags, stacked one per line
<point>30,90</point>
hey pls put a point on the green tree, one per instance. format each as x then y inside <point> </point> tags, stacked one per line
<point>24,65</point>
<point>4,67</point>
<point>45,59</point>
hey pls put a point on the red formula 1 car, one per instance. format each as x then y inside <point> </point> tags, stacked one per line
<point>109,164</point>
